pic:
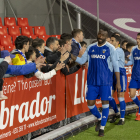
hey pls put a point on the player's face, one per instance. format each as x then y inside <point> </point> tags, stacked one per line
<point>138,40</point>
<point>101,37</point>
<point>113,41</point>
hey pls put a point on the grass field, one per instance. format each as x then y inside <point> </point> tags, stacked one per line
<point>129,131</point>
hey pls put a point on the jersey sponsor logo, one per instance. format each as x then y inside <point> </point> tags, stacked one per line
<point>104,116</point>
<point>98,56</point>
<point>137,58</point>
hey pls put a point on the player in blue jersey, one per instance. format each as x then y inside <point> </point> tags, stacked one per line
<point>115,41</point>
<point>135,77</point>
<point>102,58</point>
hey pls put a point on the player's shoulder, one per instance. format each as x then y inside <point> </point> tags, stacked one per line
<point>135,48</point>
<point>92,45</point>
<point>110,46</point>
<point>119,50</point>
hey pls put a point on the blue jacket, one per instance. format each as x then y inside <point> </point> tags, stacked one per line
<point>75,49</point>
<point>21,69</point>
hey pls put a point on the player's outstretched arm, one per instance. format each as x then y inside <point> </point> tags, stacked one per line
<point>81,60</point>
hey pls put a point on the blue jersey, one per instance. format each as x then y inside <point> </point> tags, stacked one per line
<point>135,61</point>
<point>101,61</point>
<point>121,60</point>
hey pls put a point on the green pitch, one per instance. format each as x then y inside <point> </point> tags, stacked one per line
<point>129,131</point>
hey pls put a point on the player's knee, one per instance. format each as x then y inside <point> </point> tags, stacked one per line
<point>105,102</point>
<point>132,95</point>
<point>90,102</point>
<point>120,94</point>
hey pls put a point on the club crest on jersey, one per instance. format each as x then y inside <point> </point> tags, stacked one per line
<point>104,50</point>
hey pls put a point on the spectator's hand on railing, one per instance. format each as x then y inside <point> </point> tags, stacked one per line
<point>86,65</point>
<point>40,59</point>
<point>59,66</point>
<point>64,57</point>
<point>8,59</point>
<point>39,65</point>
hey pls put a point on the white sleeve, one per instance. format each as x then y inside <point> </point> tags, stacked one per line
<point>45,76</point>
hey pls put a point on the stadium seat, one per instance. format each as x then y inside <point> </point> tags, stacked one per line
<point>22,22</point>
<point>44,37</point>
<point>14,38</point>
<point>39,30</point>
<point>6,40</point>
<point>32,36</point>
<point>0,22</point>
<point>57,36</point>
<point>3,30</point>
<point>14,31</point>
<point>27,31</point>
<point>9,21</point>
<point>9,48</point>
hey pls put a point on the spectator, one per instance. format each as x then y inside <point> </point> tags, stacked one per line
<point>39,46</point>
<point>3,68</point>
<point>123,45</point>
<point>52,51</point>
<point>129,47</point>
<point>31,56</point>
<point>22,46</point>
<point>83,45</point>
<point>66,46</point>
<point>77,38</point>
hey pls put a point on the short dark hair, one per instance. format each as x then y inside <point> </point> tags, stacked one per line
<point>62,42</point>
<point>116,33</point>
<point>83,43</point>
<point>21,41</point>
<point>51,40</point>
<point>129,45</point>
<point>37,42</point>
<point>138,34</point>
<point>76,31</point>
<point>66,37</point>
<point>30,52</point>
<point>117,38</point>
<point>125,41</point>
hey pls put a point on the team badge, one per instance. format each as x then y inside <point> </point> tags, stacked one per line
<point>104,50</point>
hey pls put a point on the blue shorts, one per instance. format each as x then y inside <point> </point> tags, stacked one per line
<point>97,92</point>
<point>134,84</point>
<point>123,82</point>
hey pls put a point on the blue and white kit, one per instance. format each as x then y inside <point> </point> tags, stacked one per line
<point>101,62</point>
<point>123,77</point>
